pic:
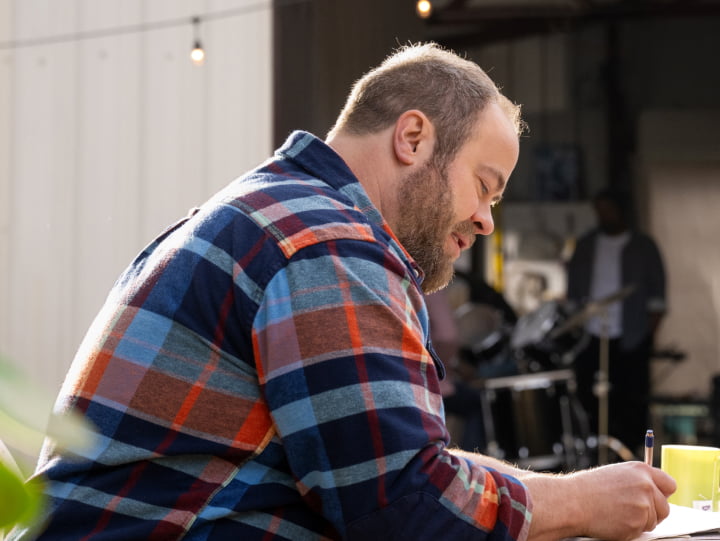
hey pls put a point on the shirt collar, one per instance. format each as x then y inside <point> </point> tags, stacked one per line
<point>322,162</point>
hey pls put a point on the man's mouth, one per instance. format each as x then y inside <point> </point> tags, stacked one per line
<point>465,235</point>
<point>461,242</point>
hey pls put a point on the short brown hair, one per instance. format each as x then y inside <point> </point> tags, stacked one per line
<point>449,89</point>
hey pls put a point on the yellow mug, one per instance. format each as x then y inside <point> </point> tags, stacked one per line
<point>696,470</point>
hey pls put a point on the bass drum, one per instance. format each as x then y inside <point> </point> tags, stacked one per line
<point>537,348</point>
<point>535,420</point>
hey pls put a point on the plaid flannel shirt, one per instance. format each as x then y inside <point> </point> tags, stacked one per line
<point>262,370</point>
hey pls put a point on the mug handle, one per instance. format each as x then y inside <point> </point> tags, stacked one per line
<point>716,484</point>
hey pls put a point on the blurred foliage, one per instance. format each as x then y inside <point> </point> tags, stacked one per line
<point>27,417</point>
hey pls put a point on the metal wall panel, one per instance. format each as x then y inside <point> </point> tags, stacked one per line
<point>105,139</point>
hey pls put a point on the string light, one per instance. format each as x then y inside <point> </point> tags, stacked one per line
<point>197,55</point>
<point>247,9</point>
<point>423,8</point>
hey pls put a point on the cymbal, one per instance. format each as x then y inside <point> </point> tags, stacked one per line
<point>476,322</point>
<point>590,310</point>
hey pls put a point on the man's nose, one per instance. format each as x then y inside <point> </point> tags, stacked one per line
<point>483,220</point>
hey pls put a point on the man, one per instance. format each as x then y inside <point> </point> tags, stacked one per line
<point>606,260</point>
<point>263,369</point>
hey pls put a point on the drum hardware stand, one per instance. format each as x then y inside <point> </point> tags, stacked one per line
<point>602,388</point>
<point>599,308</point>
<point>610,442</point>
<point>492,447</point>
<point>567,435</point>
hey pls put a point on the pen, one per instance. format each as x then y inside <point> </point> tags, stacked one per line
<point>649,442</point>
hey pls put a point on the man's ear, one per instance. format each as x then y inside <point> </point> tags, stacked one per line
<point>413,137</point>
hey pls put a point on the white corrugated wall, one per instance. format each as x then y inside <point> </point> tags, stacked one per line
<point>105,140</point>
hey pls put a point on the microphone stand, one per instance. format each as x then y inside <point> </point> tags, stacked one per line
<point>602,389</point>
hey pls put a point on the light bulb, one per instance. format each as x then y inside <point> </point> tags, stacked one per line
<point>198,54</point>
<point>423,8</point>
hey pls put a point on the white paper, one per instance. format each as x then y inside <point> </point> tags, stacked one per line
<point>683,521</point>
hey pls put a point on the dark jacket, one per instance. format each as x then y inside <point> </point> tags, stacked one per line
<point>642,267</point>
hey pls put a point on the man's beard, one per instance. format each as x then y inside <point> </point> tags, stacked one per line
<point>425,204</point>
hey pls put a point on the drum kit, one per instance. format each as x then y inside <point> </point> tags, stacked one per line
<point>524,374</point>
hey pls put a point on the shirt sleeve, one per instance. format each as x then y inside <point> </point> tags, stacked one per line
<point>354,394</point>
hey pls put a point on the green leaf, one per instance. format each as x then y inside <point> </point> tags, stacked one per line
<point>20,502</point>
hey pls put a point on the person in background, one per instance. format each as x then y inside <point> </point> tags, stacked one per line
<point>607,259</point>
<point>263,369</point>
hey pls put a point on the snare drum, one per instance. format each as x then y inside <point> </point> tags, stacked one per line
<point>532,419</point>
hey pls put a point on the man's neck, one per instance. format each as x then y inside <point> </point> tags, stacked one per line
<point>369,158</point>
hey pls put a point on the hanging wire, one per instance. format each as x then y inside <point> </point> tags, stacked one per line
<point>148,27</point>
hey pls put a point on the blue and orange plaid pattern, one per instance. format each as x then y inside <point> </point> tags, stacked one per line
<point>262,370</point>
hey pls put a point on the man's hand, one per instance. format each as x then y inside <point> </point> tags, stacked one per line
<point>618,501</point>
